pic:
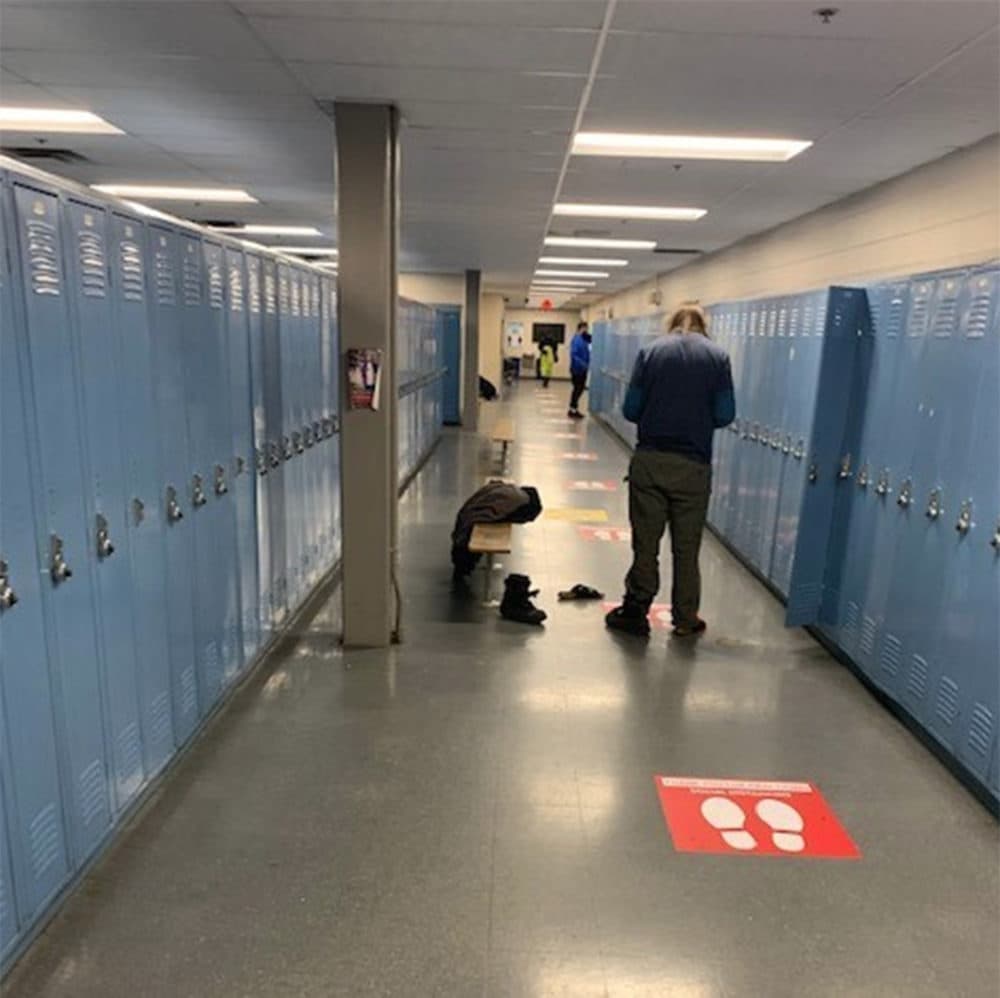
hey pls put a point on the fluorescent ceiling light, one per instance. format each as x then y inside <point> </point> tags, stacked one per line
<point>593,262</point>
<point>156,192</point>
<point>271,230</point>
<point>306,250</point>
<point>562,281</point>
<point>686,146</point>
<point>326,265</point>
<point>571,273</point>
<point>629,211</point>
<point>640,244</point>
<point>560,288</point>
<point>42,119</point>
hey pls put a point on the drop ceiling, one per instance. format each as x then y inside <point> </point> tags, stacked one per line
<point>230,94</point>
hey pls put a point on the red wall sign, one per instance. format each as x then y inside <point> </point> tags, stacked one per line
<point>752,818</point>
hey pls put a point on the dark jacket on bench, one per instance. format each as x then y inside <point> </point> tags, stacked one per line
<point>495,502</point>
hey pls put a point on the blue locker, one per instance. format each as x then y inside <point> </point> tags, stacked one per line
<point>167,317</point>
<point>97,363</point>
<point>288,339</point>
<point>333,388</point>
<point>326,438</point>
<point>277,498</point>
<point>242,473</point>
<point>33,806</point>
<point>9,921</point>
<point>63,538</point>
<point>140,430</point>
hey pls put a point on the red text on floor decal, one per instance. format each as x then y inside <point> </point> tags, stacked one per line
<point>592,486</point>
<point>752,818</point>
<point>620,534</point>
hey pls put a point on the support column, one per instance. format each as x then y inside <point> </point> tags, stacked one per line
<point>367,235</point>
<point>470,352</point>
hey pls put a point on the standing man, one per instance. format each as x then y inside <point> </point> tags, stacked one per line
<point>681,392</point>
<point>579,367</point>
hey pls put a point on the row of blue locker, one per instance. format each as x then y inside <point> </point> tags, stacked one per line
<point>420,375</point>
<point>860,479</point>
<point>169,495</point>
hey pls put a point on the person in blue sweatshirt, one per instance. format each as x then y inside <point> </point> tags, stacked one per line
<point>680,392</point>
<point>579,367</point>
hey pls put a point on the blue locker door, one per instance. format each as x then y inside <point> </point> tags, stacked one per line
<point>9,921</point>
<point>277,518</point>
<point>310,367</point>
<point>334,380</point>
<point>288,336</point>
<point>140,439</point>
<point>176,467</point>
<point>27,722</point>
<point>95,346</point>
<point>64,538</point>
<point>451,338</point>
<point>255,320</point>
<point>325,446</point>
<point>242,469</point>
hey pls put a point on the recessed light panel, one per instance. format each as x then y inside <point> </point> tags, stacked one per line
<point>582,243</point>
<point>584,261</point>
<point>273,230</point>
<point>572,273</point>
<point>686,146</point>
<point>629,211</point>
<point>306,250</point>
<point>222,195</point>
<point>42,119</point>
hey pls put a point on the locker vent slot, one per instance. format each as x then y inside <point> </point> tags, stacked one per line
<point>793,321</point>
<point>295,297</point>
<point>978,316</point>
<point>808,319</point>
<point>159,719</point>
<point>129,751</point>
<point>93,264</point>
<point>316,300</point>
<point>946,314</point>
<point>93,803</point>
<point>191,280</point>
<point>980,736</point>
<point>43,258</point>
<point>44,837</point>
<point>806,597</point>
<point>783,322</point>
<point>189,701</point>
<point>892,655</point>
<point>270,305</point>
<point>916,685</point>
<point>253,289</point>
<point>130,262</point>
<point>920,312</point>
<point>236,288</point>
<point>216,285</point>
<point>894,324</point>
<point>851,624</point>
<point>165,293</point>
<point>213,667</point>
<point>946,707</point>
<point>283,293</point>
<point>868,631</point>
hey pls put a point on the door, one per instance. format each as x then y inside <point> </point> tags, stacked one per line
<point>450,318</point>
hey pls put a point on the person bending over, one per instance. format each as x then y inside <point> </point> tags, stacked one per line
<point>680,392</point>
<point>579,366</point>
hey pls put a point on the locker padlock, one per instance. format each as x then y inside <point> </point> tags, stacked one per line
<point>964,517</point>
<point>297,442</point>
<point>905,497</point>
<point>934,508</point>
<point>138,511</point>
<point>845,467</point>
<point>7,595</point>
<point>286,448</point>
<point>105,549</point>
<point>220,486</point>
<point>197,491</point>
<point>813,474</point>
<point>882,488</point>
<point>275,454</point>
<point>800,449</point>
<point>239,466</point>
<point>863,477</point>
<point>174,512</point>
<point>786,447</point>
<point>58,569</point>
<point>260,461</point>
<point>995,539</point>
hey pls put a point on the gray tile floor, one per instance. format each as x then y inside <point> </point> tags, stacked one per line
<point>473,813</point>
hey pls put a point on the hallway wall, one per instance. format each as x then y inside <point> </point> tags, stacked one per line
<point>568,317</point>
<point>945,213</point>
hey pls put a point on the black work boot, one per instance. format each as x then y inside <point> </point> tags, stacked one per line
<point>630,618</point>
<point>516,603</point>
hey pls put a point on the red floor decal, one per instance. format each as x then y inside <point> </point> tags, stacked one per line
<point>752,817</point>
<point>622,534</point>
<point>592,486</point>
<point>578,456</point>
<point>660,618</point>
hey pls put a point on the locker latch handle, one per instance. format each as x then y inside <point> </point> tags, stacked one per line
<point>174,511</point>
<point>905,496</point>
<point>786,447</point>
<point>297,442</point>
<point>240,466</point>
<point>964,522</point>
<point>317,431</point>
<point>934,508</point>
<point>275,454</point>
<point>307,436</point>
<point>845,468</point>
<point>58,569</point>
<point>995,539</point>
<point>105,549</point>
<point>261,461</point>
<point>863,477</point>
<point>882,488</point>
<point>286,447</point>
<point>197,491</point>
<point>7,595</point>
<point>138,510</point>
<point>813,474</point>
<point>800,449</point>
<point>221,488</point>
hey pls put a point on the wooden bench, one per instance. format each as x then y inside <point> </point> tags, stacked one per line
<point>490,539</point>
<point>503,434</point>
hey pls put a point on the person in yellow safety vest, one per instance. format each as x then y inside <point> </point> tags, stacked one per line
<point>546,364</point>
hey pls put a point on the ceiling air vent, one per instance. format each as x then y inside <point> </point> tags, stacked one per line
<point>44,153</point>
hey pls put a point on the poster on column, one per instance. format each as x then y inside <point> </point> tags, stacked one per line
<point>364,377</point>
<point>752,818</point>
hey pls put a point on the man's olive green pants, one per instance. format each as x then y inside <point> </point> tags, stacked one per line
<point>667,488</point>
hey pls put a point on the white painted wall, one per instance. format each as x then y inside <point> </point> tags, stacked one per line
<point>943,214</point>
<point>528,316</point>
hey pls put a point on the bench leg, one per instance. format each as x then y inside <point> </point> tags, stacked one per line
<point>488,582</point>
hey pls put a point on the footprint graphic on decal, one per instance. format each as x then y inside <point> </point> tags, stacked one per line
<point>785,822</point>
<point>728,818</point>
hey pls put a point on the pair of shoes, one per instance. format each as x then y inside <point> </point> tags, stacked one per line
<point>629,618</point>
<point>580,591</point>
<point>689,630</point>
<point>516,603</point>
